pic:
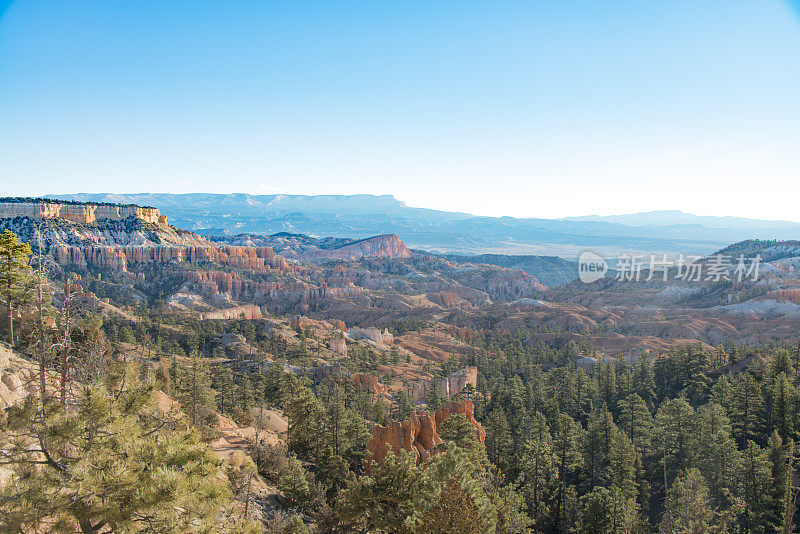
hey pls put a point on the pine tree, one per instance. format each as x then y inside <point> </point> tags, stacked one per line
<point>567,438</point>
<point>294,484</point>
<point>306,415</point>
<point>109,465</point>
<point>675,432</point>
<point>194,390</point>
<point>245,396</point>
<point>455,510</point>
<point>722,393</point>
<point>538,471</point>
<point>692,365</point>
<point>457,429</point>
<point>392,497</point>
<point>781,363</point>
<point>716,456</point>
<point>783,399</point>
<point>295,526</point>
<point>434,400</point>
<point>607,385</point>
<point>223,384</point>
<point>458,501</point>
<point>622,464</point>
<point>606,511</point>
<point>779,471</point>
<point>499,444</point>
<point>274,384</point>
<point>746,408</point>
<point>404,406</point>
<point>636,421</point>
<point>14,275</point>
<point>690,507</point>
<point>643,379</point>
<point>597,441</point>
<point>756,487</point>
<point>719,358</point>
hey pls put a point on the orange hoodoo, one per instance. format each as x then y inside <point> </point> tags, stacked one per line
<point>420,433</point>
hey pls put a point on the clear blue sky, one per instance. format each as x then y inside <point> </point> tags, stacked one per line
<point>527,108</point>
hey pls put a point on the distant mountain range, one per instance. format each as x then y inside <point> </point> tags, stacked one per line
<point>676,217</point>
<point>362,216</point>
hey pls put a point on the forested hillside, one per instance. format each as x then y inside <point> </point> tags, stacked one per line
<point>129,413</point>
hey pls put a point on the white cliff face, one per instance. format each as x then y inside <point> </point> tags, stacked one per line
<point>447,387</point>
<point>373,334</point>
<point>80,213</point>
<point>116,237</point>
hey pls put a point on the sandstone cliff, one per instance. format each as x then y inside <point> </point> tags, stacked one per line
<point>447,386</point>
<point>309,249</point>
<point>118,237</point>
<point>246,311</point>
<point>420,433</point>
<point>373,334</point>
<point>38,209</point>
<point>370,383</point>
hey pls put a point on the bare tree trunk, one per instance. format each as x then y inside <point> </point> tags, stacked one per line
<point>40,281</point>
<point>667,513</point>
<point>9,310</point>
<point>194,393</point>
<point>789,502</point>
<point>65,348</point>
<point>247,496</point>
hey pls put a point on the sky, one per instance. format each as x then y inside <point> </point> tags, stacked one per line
<point>528,109</point>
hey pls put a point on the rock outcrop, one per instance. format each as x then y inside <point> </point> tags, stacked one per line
<point>18,378</point>
<point>246,311</point>
<point>231,283</point>
<point>338,345</point>
<point>38,209</point>
<point>118,258</point>
<point>370,383</point>
<point>420,433</point>
<point>120,237</point>
<point>309,249</point>
<point>447,386</point>
<point>373,334</point>
<point>318,374</point>
<point>383,246</point>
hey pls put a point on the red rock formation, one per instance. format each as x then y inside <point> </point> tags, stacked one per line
<point>246,311</point>
<point>420,433</point>
<point>784,295</point>
<point>370,382</point>
<point>387,245</point>
<point>338,323</point>
<point>446,299</point>
<point>380,246</point>
<point>301,321</point>
<point>339,346</point>
<point>234,284</point>
<point>118,258</point>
